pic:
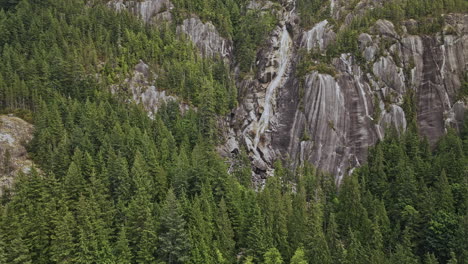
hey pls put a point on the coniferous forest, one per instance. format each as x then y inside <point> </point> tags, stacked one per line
<point>112,185</point>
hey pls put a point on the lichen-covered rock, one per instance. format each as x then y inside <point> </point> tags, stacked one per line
<point>15,133</point>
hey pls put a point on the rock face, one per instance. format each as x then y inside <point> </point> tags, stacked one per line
<point>206,38</point>
<point>150,11</point>
<point>331,121</point>
<point>143,91</point>
<point>14,134</point>
<point>319,37</point>
<point>328,120</point>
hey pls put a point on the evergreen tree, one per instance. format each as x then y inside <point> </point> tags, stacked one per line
<point>298,220</point>
<point>74,183</point>
<point>224,233</point>
<point>453,258</point>
<point>63,245</point>
<point>122,251</point>
<point>316,244</point>
<point>444,194</point>
<point>299,257</point>
<point>272,256</point>
<point>403,252</point>
<point>173,239</point>
<point>256,240</point>
<point>430,259</point>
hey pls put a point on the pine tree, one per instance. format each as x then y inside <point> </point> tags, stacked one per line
<point>299,257</point>
<point>351,212</point>
<point>430,259</point>
<point>453,258</point>
<point>173,239</point>
<point>224,233</point>
<point>63,242</point>
<point>120,181</point>
<point>158,175</point>
<point>378,183</point>
<point>146,245</point>
<point>355,251</point>
<point>272,256</point>
<point>334,242</point>
<point>200,234</point>
<point>444,194</point>
<point>180,174</point>
<point>298,220</point>
<point>403,252</point>
<point>275,214</point>
<point>122,251</point>
<point>74,183</point>
<point>316,246</point>
<point>256,240</point>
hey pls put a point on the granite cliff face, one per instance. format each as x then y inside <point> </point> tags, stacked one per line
<point>331,119</point>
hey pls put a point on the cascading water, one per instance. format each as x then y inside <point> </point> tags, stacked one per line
<point>284,57</point>
<point>253,132</point>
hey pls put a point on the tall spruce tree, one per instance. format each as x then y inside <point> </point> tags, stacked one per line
<point>173,239</point>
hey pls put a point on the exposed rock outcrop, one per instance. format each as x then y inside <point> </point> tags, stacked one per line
<point>328,120</point>
<point>206,38</point>
<point>331,121</point>
<point>319,37</point>
<point>14,134</point>
<point>143,91</point>
<point>150,11</point>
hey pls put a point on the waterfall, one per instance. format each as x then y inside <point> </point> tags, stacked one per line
<point>284,57</point>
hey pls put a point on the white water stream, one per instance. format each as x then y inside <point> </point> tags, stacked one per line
<point>284,57</point>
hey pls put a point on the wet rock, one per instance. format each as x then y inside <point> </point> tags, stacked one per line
<point>319,37</point>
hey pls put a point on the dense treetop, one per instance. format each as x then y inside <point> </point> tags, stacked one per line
<point>115,186</point>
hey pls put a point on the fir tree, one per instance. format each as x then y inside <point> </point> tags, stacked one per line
<point>63,245</point>
<point>122,251</point>
<point>430,259</point>
<point>224,233</point>
<point>299,257</point>
<point>173,239</point>
<point>316,245</point>
<point>272,256</point>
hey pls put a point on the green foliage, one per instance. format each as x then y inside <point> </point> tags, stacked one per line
<point>71,44</point>
<point>173,239</point>
<point>115,186</point>
<point>313,11</point>
<point>299,257</point>
<point>272,256</point>
<point>251,32</point>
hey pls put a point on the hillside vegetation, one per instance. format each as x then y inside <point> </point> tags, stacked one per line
<point>113,185</point>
